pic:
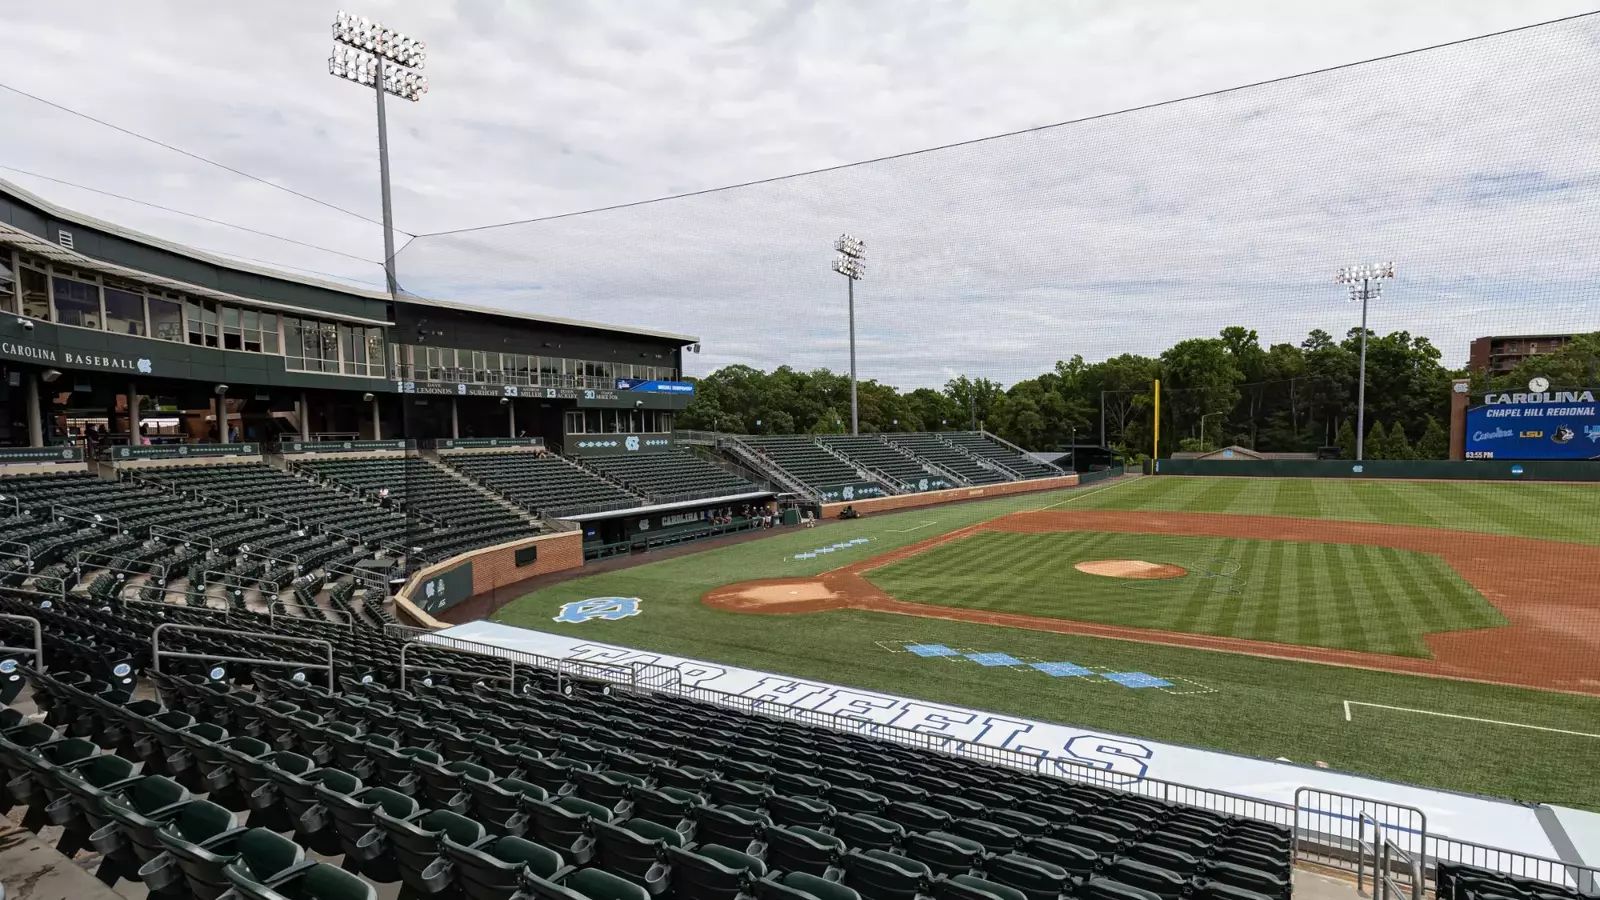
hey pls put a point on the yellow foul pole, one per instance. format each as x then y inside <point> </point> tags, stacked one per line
<point>1155,449</point>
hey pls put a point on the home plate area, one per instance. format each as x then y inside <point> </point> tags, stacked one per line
<point>1082,674</point>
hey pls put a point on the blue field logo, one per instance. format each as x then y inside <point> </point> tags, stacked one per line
<point>608,608</point>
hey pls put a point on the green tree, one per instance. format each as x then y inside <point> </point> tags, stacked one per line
<point>1398,446</point>
<point>1347,440</point>
<point>1377,443</point>
<point>1435,441</point>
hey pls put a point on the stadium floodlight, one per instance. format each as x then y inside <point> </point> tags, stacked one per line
<point>1365,283</point>
<point>389,62</point>
<point>852,264</point>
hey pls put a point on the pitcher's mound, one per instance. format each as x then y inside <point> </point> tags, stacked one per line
<point>1130,568</point>
<point>775,597</point>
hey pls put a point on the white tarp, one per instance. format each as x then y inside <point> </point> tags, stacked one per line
<point>1504,824</point>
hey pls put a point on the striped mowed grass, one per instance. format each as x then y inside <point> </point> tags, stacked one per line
<point>1546,510</point>
<point>1342,596</point>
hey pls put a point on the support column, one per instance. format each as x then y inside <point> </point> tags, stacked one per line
<point>455,420</point>
<point>511,408</point>
<point>219,408</point>
<point>305,417</point>
<point>377,422</point>
<point>35,421</point>
<point>133,414</point>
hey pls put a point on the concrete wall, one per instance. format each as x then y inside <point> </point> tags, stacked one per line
<point>931,498</point>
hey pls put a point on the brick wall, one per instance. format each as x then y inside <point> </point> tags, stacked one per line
<point>496,567</point>
<point>929,498</point>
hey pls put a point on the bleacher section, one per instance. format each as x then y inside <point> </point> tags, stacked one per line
<point>872,452</point>
<point>547,484</point>
<point>933,447</point>
<point>980,444</point>
<point>801,457</point>
<point>135,541</point>
<point>304,503</point>
<point>567,786</point>
<point>671,476</point>
<point>423,486</point>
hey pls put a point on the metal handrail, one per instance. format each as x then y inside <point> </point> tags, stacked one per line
<point>156,652</point>
<point>38,641</point>
<point>87,516</point>
<point>167,532</point>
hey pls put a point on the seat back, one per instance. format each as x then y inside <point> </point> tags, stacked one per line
<point>881,875</point>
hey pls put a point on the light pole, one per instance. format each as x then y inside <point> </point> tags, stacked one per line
<point>388,62</point>
<point>1360,279</point>
<point>852,264</point>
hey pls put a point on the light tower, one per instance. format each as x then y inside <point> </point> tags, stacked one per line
<point>388,62</point>
<point>852,264</point>
<point>1366,283</point>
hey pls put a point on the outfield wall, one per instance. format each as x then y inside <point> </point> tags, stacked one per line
<point>932,498</point>
<point>1462,470</point>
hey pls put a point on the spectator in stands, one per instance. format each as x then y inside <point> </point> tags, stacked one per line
<point>383,497</point>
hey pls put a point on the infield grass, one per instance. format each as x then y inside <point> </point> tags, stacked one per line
<point>1260,707</point>
<point>1345,596</point>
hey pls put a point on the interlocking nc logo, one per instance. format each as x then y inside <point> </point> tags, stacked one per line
<point>607,608</point>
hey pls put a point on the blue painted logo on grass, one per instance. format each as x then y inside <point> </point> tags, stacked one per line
<point>607,608</point>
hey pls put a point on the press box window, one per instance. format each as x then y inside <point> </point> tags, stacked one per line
<point>124,312</point>
<point>8,288</point>
<point>77,303</point>
<point>166,319</point>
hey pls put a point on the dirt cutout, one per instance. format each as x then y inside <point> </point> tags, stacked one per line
<point>1545,588</point>
<point>1130,568</point>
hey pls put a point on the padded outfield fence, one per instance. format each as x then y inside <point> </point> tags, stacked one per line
<point>1422,470</point>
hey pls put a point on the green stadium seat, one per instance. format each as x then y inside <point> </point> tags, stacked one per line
<point>1037,879</point>
<point>881,875</point>
<point>802,886</point>
<point>493,869</point>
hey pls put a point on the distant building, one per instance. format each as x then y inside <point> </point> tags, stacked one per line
<point>1499,354</point>
<point>1243,454</point>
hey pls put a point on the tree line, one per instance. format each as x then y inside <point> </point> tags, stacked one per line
<point>1215,392</point>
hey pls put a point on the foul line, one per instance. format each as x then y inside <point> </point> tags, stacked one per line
<point>913,528</point>
<point>1079,494</point>
<point>1429,712</point>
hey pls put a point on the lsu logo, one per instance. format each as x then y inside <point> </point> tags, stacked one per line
<point>612,608</point>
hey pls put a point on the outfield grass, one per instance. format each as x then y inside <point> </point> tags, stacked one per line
<point>1558,512</point>
<point>1373,599</point>
<point>1260,707</point>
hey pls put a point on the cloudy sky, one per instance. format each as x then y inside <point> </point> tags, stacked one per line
<point>1472,167</point>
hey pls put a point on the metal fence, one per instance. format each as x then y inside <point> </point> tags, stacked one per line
<point>156,653</point>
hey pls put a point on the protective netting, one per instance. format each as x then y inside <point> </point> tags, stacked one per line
<point>1472,166</point>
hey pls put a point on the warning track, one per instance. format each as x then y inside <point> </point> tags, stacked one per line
<point>1546,589</point>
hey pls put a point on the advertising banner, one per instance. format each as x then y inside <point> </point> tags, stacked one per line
<point>1548,425</point>
<point>614,444</point>
<point>639,385</point>
<point>446,589</point>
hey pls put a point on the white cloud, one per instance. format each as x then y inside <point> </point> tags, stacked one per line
<point>1468,166</point>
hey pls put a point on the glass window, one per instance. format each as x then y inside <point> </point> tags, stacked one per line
<point>166,319</point>
<point>124,312</point>
<point>77,302</point>
<point>269,332</point>
<point>35,293</point>
<point>208,318</point>
<point>8,287</point>
<point>250,324</point>
<point>355,360</point>
<point>232,336</point>
<point>293,343</point>
<point>375,352</point>
<point>330,346</point>
<point>575,421</point>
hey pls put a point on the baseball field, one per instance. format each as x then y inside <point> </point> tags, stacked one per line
<point>1439,633</point>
